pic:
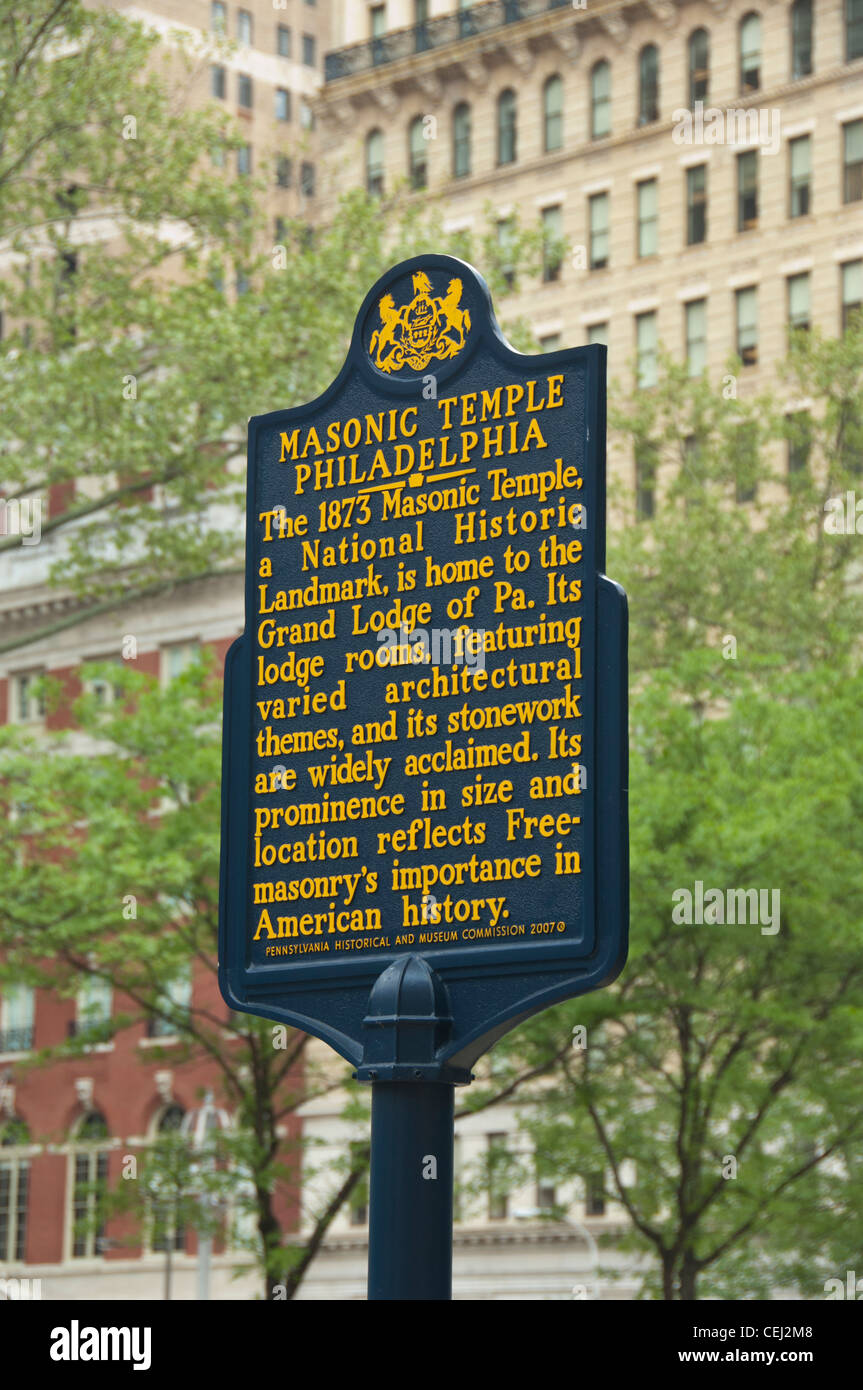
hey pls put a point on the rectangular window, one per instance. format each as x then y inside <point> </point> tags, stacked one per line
<point>853,30</point>
<point>505,231</point>
<point>747,191</point>
<point>166,1232</point>
<point>283,41</point>
<point>177,658</point>
<point>496,1161</point>
<point>692,465</point>
<point>594,1195</point>
<point>244,27</point>
<point>746,462</point>
<point>309,50</point>
<point>696,336</point>
<point>546,1195</point>
<point>853,153</point>
<point>750,54</point>
<point>17,1015</point>
<point>646,465</point>
<point>307,115</point>
<point>696,204</point>
<point>377,21</point>
<point>28,707</point>
<point>244,91</point>
<point>218,17</point>
<point>648,218</point>
<point>461,142</point>
<point>801,39</point>
<point>598,221</point>
<point>746,303</point>
<point>550,343</point>
<point>800,174</point>
<point>105,690</point>
<point>552,243</point>
<point>217,82</point>
<point>598,333</point>
<point>852,291</point>
<point>91,1175</point>
<point>283,104</point>
<point>600,102</point>
<point>93,1005</point>
<point>798,303</point>
<point>244,159</point>
<point>307,179</point>
<point>14,1186</point>
<point>645,349</point>
<point>799,442</point>
<point>284,171</point>
<point>173,1007</point>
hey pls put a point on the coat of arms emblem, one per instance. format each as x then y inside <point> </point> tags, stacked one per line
<point>425,329</point>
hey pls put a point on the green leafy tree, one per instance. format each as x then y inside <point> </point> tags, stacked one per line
<point>132,365</point>
<point>130,370</point>
<point>131,899</point>
<point>714,1088</point>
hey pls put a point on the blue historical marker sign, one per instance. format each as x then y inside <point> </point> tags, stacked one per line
<point>425,719</point>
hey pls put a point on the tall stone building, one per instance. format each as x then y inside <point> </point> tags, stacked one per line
<point>263,61</point>
<point>696,168</point>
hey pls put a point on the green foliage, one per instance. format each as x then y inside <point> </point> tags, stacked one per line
<point>726,1042</point>
<point>129,367</point>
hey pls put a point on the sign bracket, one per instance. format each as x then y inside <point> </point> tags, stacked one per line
<point>411,1187</point>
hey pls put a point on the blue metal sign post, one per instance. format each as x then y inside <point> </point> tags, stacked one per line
<point>424,821</point>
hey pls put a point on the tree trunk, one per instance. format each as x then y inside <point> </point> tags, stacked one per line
<point>270,1232</point>
<point>688,1277</point>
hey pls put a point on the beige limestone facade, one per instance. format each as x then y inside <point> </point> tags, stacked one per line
<point>706,230</point>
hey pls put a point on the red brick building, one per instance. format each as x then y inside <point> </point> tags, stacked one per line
<point>72,1123</point>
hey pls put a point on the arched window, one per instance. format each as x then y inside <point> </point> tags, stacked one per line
<point>14,1191</point>
<point>506,127</point>
<point>165,1224</point>
<point>699,66</point>
<point>801,39</point>
<point>417,154</point>
<point>461,141</point>
<point>750,53</point>
<point>600,100</point>
<point>171,1119</point>
<point>552,112</point>
<point>375,163</point>
<point>648,84</point>
<point>93,1127</point>
<point>90,1167</point>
